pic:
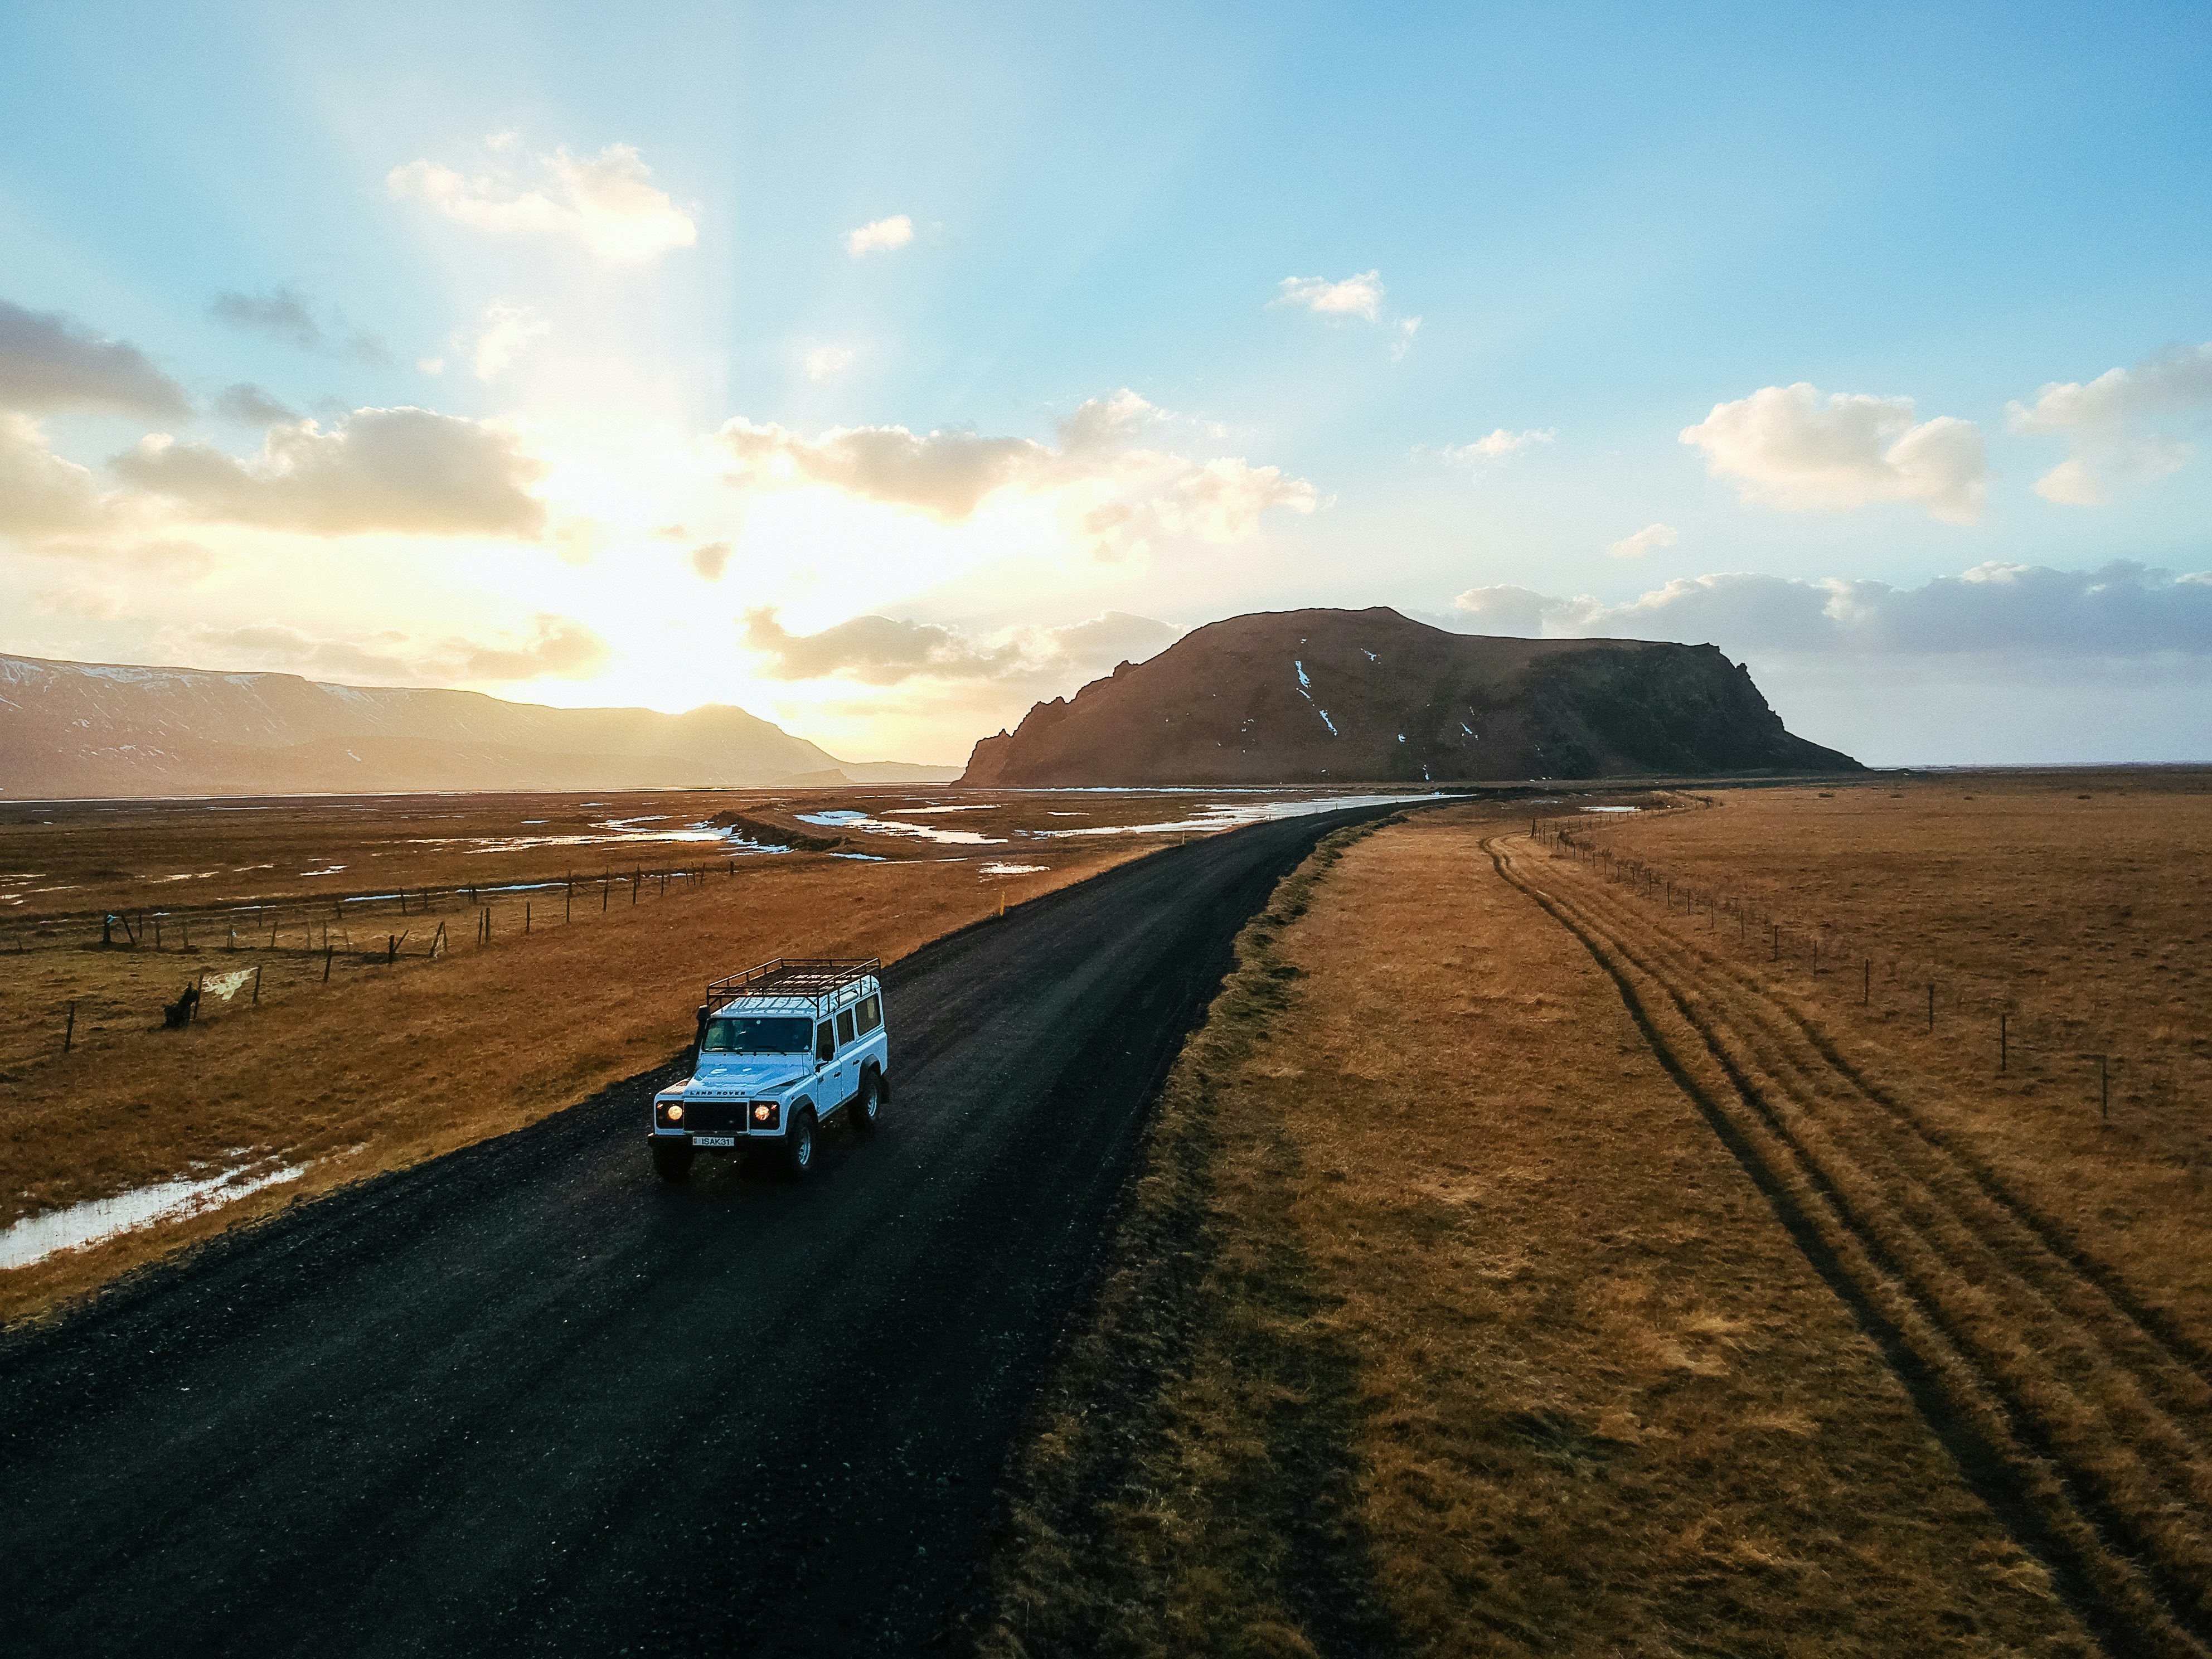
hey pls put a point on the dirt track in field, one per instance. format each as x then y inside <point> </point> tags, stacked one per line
<point>2079,1410</point>
<point>522,1398</point>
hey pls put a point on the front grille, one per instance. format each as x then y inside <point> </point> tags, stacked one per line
<point>715,1117</point>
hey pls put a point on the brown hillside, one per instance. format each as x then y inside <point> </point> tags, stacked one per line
<point>95,729</point>
<point>1325,696</point>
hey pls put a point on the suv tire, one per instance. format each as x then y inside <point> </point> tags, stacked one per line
<point>671,1160</point>
<point>801,1145</point>
<point>867,1106</point>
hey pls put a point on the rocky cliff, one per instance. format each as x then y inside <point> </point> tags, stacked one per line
<point>1361,696</point>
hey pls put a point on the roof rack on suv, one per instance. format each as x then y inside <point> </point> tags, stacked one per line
<point>817,979</point>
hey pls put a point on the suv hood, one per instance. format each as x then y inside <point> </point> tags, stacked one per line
<point>749,1076</point>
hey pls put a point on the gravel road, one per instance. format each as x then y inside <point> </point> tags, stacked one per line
<point>524,1399</point>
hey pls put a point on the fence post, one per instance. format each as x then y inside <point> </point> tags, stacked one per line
<point>257,985</point>
<point>326,958</point>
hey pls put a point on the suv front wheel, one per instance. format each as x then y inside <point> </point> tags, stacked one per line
<point>798,1146</point>
<point>672,1159</point>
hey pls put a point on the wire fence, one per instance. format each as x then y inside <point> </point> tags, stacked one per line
<point>2025,1034</point>
<point>184,963</point>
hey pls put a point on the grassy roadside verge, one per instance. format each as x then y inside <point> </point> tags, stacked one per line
<point>1140,1526</point>
<point>1442,1324</point>
<point>349,1081</point>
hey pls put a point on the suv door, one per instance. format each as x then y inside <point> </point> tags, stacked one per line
<point>848,1058</point>
<point>828,1086</point>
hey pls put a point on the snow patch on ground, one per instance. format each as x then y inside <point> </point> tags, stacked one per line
<point>35,1238</point>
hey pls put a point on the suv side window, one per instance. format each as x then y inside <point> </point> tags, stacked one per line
<point>825,1042</point>
<point>844,1027</point>
<point>872,1014</point>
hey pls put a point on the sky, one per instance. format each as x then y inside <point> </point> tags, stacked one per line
<point>884,370</point>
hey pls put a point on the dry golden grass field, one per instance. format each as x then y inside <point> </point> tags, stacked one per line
<point>1531,1260</point>
<point>335,1054</point>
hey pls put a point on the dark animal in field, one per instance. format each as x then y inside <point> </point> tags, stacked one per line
<point>175,1016</point>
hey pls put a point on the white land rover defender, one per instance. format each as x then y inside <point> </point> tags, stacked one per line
<point>782,1048</point>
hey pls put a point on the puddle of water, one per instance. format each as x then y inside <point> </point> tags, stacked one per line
<point>1012,869</point>
<point>1611,809</point>
<point>1235,815</point>
<point>616,831</point>
<point>35,1238</point>
<point>844,819</point>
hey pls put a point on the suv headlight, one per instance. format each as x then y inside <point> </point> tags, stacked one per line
<point>764,1113</point>
<point>671,1111</point>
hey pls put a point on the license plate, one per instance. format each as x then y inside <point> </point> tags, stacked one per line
<point>713,1140</point>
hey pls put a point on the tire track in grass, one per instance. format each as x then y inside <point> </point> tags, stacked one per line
<point>2142,1595</point>
<point>2087,1386</point>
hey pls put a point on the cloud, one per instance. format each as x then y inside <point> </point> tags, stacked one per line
<point>1788,447</point>
<point>1355,296</point>
<point>881,651</point>
<point>506,329</point>
<point>431,365</point>
<point>880,236</point>
<point>285,313</point>
<point>1408,328</point>
<point>1112,498</point>
<point>875,650</point>
<point>945,475</point>
<point>94,602</point>
<point>552,648</point>
<point>557,647</point>
<point>1499,446</point>
<point>406,470</point>
<point>276,645</point>
<point>249,406</point>
<point>1651,535</point>
<point>1103,423</point>
<point>50,363</point>
<point>2031,612</point>
<point>606,201</point>
<point>828,362</point>
<point>1520,611</point>
<point>2120,427</point>
<point>42,495</point>
<point>710,560</point>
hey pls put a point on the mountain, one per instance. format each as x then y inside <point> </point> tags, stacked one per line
<point>77,729</point>
<point>1370,696</point>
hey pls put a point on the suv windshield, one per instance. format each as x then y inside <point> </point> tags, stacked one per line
<point>758,1036</point>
